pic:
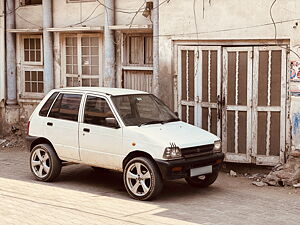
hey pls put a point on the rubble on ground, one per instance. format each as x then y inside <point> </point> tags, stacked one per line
<point>287,174</point>
<point>232,173</point>
<point>15,139</point>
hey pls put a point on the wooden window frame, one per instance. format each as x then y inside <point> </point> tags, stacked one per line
<point>31,63</point>
<point>126,65</point>
<point>79,1</point>
<point>79,55</point>
<point>23,3</point>
<point>25,94</point>
<point>29,66</point>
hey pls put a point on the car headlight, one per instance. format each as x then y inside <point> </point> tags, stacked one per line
<point>217,146</point>
<point>172,152</point>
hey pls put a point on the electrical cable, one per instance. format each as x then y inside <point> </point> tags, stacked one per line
<point>275,31</point>
<point>87,18</point>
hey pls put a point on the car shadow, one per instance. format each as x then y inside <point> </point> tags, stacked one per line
<point>110,183</point>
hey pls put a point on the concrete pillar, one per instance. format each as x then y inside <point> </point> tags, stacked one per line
<point>155,19</point>
<point>109,77</point>
<point>11,71</point>
<point>48,46</point>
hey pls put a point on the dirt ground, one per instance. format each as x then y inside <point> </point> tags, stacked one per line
<point>81,196</point>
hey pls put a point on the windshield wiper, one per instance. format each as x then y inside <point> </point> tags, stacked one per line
<point>151,122</point>
<point>171,120</point>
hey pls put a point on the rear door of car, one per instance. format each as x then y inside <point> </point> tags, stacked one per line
<point>100,142</point>
<point>62,125</point>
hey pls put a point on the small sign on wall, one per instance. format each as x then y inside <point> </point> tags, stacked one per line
<point>295,71</point>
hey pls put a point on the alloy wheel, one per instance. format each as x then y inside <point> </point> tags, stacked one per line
<point>40,163</point>
<point>138,179</point>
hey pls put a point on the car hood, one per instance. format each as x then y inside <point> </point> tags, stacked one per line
<point>182,134</point>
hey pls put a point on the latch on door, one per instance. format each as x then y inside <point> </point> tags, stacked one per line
<point>221,104</point>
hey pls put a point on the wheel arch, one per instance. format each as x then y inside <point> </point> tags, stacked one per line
<point>40,140</point>
<point>137,153</point>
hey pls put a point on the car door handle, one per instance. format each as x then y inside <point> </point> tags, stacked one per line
<point>86,130</point>
<point>50,124</point>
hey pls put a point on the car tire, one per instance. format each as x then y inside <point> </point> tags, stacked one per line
<point>142,178</point>
<point>44,163</point>
<point>203,180</point>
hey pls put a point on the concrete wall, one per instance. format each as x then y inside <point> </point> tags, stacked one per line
<point>295,116</point>
<point>2,56</point>
<point>222,20</point>
<point>70,14</point>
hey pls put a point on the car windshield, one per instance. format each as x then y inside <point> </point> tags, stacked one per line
<point>143,109</point>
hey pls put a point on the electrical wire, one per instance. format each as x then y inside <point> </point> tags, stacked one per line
<point>28,21</point>
<point>230,29</point>
<point>87,18</point>
<point>131,22</point>
<point>275,31</point>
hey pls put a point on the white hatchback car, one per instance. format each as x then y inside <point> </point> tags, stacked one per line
<point>125,130</point>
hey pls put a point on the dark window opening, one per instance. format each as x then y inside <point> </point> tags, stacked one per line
<point>44,110</point>
<point>30,2</point>
<point>96,111</point>
<point>66,107</point>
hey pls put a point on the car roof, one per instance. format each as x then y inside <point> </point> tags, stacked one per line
<point>104,90</point>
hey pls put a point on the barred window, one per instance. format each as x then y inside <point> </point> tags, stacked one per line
<point>32,49</point>
<point>34,81</point>
<point>139,49</point>
<point>32,66</point>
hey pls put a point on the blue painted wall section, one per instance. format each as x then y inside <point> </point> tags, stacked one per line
<point>296,123</point>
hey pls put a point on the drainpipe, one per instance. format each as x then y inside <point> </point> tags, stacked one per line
<point>11,71</point>
<point>155,19</point>
<point>48,46</point>
<point>109,45</point>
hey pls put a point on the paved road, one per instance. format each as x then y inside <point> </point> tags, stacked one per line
<point>80,196</point>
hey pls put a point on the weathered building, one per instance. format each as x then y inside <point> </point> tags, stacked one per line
<point>226,66</point>
<point>2,62</point>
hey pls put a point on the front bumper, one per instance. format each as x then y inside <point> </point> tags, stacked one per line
<point>180,168</point>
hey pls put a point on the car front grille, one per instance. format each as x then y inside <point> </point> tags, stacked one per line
<point>197,151</point>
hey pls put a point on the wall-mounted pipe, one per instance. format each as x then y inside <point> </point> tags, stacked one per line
<point>109,77</point>
<point>48,46</point>
<point>11,70</point>
<point>155,19</point>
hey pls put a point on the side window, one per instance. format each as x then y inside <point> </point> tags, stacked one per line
<point>44,110</point>
<point>96,111</point>
<point>66,107</point>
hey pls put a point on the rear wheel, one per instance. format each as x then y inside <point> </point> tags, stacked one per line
<point>203,180</point>
<point>44,163</point>
<point>142,178</point>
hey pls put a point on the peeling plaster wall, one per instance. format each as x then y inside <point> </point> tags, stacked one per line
<point>222,20</point>
<point>2,66</point>
<point>70,14</point>
<point>2,54</point>
<point>295,116</point>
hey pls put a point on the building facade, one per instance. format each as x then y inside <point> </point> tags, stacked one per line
<point>227,67</point>
<point>2,60</point>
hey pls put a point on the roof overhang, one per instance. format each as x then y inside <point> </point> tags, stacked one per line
<point>33,30</point>
<point>146,27</point>
<point>75,29</point>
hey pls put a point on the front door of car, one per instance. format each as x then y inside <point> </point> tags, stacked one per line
<point>61,126</point>
<point>99,137</point>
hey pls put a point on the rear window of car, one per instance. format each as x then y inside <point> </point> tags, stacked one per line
<point>66,107</point>
<point>44,110</point>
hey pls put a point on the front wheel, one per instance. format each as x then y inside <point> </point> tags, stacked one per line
<point>203,180</point>
<point>142,179</point>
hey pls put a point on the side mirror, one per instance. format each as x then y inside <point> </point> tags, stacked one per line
<point>176,113</point>
<point>112,122</point>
